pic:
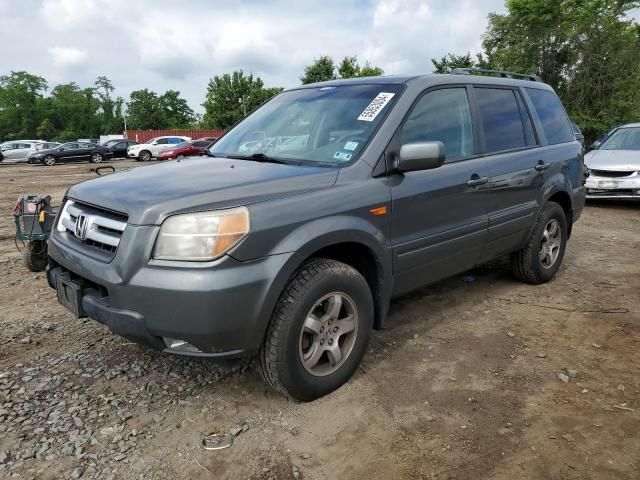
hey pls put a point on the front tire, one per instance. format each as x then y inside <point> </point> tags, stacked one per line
<point>319,331</point>
<point>144,156</point>
<point>540,259</point>
<point>49,160</point>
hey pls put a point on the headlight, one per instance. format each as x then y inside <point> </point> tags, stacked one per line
<point>203,236</point>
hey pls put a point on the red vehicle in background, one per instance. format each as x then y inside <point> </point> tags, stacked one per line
<point>186,149</point>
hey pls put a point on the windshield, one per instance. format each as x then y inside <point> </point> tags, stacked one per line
<point>623,139</point>
<point>317,125</point>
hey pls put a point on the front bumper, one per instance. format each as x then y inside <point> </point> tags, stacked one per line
<point>221,308</point>
<point>613,187</point>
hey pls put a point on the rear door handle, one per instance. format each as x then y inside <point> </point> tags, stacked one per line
<point>541,166</point>
<point>476,180</point>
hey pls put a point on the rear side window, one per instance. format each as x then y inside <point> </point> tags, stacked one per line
<point>442,115</point>
<point>500,118</point>
<point>550,112</point>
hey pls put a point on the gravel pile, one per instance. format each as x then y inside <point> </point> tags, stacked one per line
<point>79,411</point>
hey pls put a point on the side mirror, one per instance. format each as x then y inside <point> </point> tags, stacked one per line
<point>61,149</point>
<point>421,156</point>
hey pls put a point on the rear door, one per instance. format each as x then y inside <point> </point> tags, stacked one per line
<point>522,163</point>
<point>439,221</point>
<point>508,140</point>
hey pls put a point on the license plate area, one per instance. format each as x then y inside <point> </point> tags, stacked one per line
<point>70,295</point>
<point>607,184</point>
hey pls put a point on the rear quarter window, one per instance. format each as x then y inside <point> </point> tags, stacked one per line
<point>552,116</point>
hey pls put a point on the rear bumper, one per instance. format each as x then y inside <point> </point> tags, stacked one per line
<point>221,308</point>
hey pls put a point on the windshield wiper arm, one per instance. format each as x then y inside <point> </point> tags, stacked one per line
<point>258,157</point>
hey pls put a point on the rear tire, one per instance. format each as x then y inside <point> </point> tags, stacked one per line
<point>539,261</point>
<point>96,158</point>
<point>315,342</point>
<point>35,256</point>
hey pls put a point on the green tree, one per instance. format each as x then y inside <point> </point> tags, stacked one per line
<point>324,68</point>
<point>74,110</point>
<point>176,112</point>
<point>588,50</point>
<point>230,97</point>
<point>452,61</point>
<point>21,104</point>
<point>321,70</point>
<point>144,111</point>
<point>349,68</point>
<point>46,130</point>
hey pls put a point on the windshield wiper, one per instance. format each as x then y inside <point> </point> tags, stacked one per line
<point>258,157</point>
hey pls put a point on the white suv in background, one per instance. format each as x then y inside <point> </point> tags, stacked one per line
<point>146,151</point>
<point>21,150</point>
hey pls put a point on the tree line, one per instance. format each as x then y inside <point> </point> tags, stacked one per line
<point>29,109</point>
<point>587,50</point>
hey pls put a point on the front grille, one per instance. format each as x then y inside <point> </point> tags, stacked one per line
<point>611,173</point>
<point>95,227</point>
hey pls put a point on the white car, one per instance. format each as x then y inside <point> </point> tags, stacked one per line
<point>615,166</point>
<point>146,151</point>
<point>21,150</point>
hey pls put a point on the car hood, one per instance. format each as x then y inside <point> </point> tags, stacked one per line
<point>619,160</point>
<point>151,193</point>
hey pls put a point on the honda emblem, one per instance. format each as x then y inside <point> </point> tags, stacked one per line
<point>82,227</point>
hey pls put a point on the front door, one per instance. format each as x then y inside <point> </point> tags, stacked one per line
<point>440,217</point>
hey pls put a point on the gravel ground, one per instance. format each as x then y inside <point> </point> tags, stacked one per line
<point>477,377</point>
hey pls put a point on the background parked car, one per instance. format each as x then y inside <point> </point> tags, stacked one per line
<point>146,151</point>
<point>119,147</point>
<point>615,166</point>
<point>72,152</point>
<point>20,150</point>
<point>185,149</point>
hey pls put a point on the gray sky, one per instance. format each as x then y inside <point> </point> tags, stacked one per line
<point>162,44</point>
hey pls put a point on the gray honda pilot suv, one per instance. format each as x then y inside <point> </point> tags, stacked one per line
<point>288,241</point>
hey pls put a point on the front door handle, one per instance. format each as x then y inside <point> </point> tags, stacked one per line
<point>476,180</point>
<point>541,166</point>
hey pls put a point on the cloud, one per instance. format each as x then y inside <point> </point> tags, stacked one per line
<point>160,45</point>
<point>68,57</point>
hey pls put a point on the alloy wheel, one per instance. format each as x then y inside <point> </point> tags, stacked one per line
<point>551,243</point>
<point>328,334</point>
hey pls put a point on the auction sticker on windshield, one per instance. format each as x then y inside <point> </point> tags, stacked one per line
<point>370,113</point>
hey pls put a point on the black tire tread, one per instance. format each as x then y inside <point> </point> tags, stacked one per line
<point>522,260</point>
<point>268,362</point>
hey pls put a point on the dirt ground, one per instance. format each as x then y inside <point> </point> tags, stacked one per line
<point>466,381</point>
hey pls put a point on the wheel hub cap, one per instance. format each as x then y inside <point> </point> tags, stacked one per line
<point>328,334</point>
<point>550,243</point>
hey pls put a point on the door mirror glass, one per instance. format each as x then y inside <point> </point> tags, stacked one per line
<point>61,149</point>
<point>421,156</point>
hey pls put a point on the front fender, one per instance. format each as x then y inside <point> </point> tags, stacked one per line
<point>302,242</point>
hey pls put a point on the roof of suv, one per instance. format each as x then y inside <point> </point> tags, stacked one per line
<point>431,79</point>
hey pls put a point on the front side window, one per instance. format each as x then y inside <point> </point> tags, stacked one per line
<point>552,116</point>
<point>442,115</point>
<point>500,119</point>
<point>627,138</point>
<point>322,125</point>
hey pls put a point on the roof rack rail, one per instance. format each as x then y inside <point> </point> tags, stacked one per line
<point>500,73</point>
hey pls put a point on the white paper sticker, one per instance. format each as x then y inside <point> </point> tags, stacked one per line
<point>342,156</point>
<point>351,146</point>
<point>370,113</point>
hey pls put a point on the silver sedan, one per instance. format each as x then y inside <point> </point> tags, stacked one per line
<point>615,166</point>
